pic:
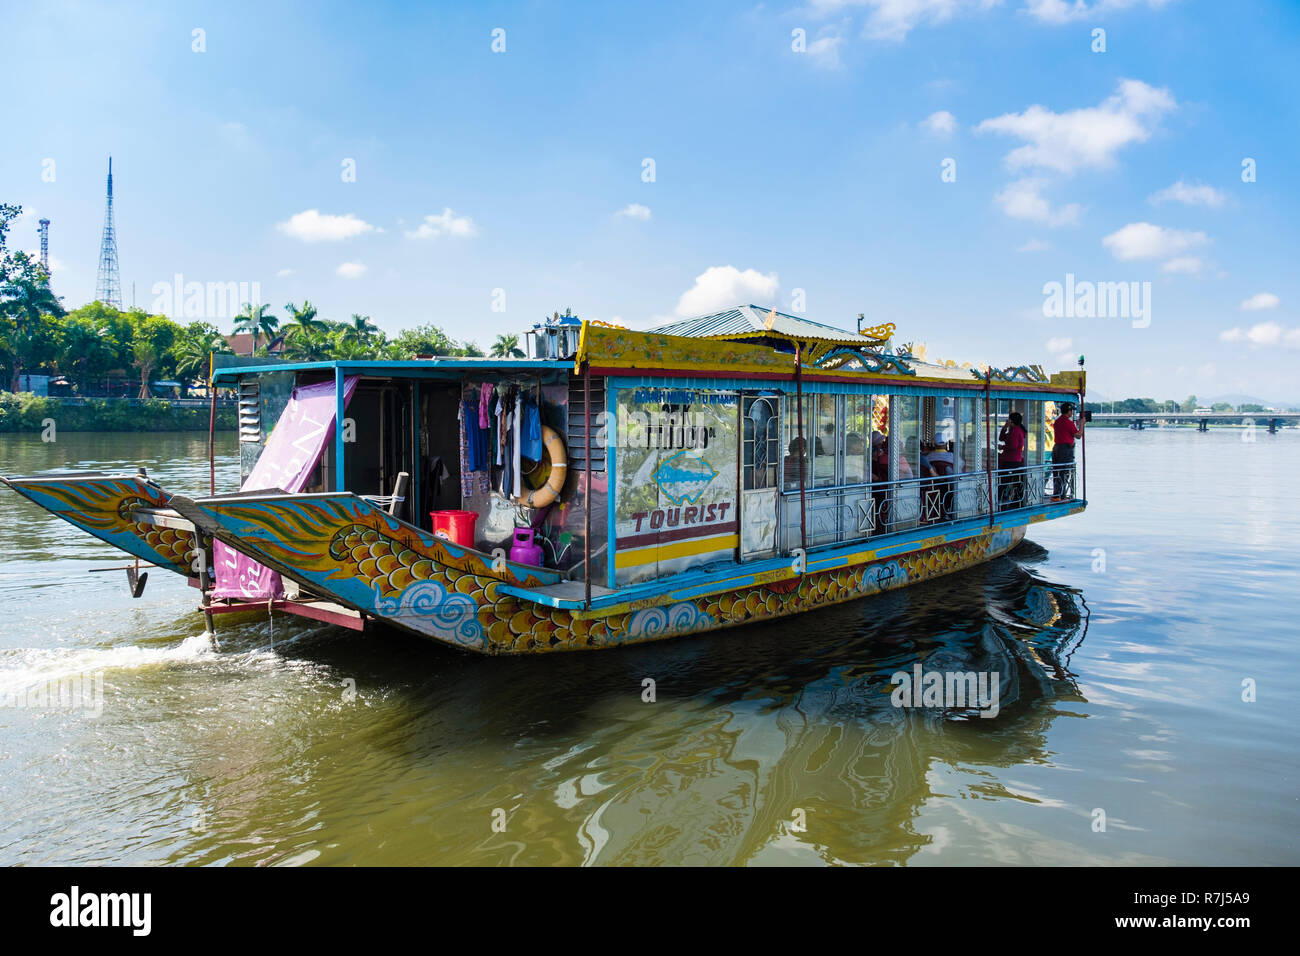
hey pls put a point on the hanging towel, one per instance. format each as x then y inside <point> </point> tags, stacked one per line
<point>516,429</point>
<point>466,479</point>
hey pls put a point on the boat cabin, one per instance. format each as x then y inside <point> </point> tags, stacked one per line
<point>746,438</point>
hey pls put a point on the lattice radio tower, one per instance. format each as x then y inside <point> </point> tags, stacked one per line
<point>45,245</point>
<point>108,287</point>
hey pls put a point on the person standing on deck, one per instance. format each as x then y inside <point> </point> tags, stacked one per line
<point>1064,431</point>
<point>1012,458</point>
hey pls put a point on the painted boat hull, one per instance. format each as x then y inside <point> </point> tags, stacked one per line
<point>102,506</point>
<point>342,547</point>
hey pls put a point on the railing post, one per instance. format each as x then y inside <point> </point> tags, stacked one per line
<point>798,388</point>
<point>988,441</point>
<point>586,495</point>
<point>212,430</point>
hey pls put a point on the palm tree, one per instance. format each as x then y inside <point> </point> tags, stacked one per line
<point>361,329</point>
<point>255,319</point>
<point>346,346</point>
<point>302,319</point>
<point>24,297</point>
<point>507,346</point>
<point>192,355</point>
<point>309,346</point>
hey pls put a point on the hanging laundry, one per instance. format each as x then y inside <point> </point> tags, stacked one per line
<point>530,440</point>
<point>438,473</point>
<point>466,479</point>
<point>485,404</point>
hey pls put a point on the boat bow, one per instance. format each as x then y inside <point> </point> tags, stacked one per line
<point>342,546</point>
<point>117,509</point>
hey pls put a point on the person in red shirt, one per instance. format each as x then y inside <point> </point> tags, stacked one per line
<point>1012,456</point>
<point>1065,432</point>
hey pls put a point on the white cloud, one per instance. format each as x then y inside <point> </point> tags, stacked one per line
<point>1142,240</point>
<point>894,19</point>
<point>825,50</point>
<point>1065,11</point>
<point>723,287</point>
<point>283,273</point>
<point>1023,200</point>
<point>634,210</point>
<point>1059,344</point>
<point>1260,300</point>
<point>313,226</point>
<point>1034,245</point>
<point>1192,195</point>
<point>1082,138</point>
<point>1263,333</point>
<point>351,270</point>
<point>941,123</point>
<point>1184,265</point>
<point>445,224</point>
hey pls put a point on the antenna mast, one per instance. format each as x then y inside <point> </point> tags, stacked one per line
<point>108,286</point>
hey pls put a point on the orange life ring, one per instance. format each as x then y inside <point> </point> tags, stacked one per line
<point>544,495</point>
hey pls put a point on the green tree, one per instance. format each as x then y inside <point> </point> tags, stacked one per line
<point>192,351</point>
<point>110,349</point>
<point>362,329</point>
<point>507,346</point>
<point>152,337</point>
<point>27,339</point>
<point>424,340</point>
<point>1189,405</point>
<point>302,319</point>
<point>257,319</point>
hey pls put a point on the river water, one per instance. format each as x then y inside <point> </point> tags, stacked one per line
<point>1125,640</point>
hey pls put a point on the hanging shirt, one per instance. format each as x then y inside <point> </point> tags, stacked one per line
<point>531,431</point>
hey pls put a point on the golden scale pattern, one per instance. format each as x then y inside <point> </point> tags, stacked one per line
<point>513,626</point>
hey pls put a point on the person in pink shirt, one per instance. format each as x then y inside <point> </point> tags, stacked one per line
<point>1012,437</point>
<point>1065,432</point>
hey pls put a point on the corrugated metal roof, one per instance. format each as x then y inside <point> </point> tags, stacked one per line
<point>748,319</point>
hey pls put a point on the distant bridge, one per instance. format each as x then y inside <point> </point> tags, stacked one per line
<point>1139,420</point>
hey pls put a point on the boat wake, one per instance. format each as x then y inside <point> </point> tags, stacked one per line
<point>24,668</point>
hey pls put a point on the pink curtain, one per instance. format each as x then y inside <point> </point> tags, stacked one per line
<point>292,451</point>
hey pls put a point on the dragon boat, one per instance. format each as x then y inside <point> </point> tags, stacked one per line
<point>610,488</point>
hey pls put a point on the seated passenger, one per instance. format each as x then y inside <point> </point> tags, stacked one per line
<point>792,460</point>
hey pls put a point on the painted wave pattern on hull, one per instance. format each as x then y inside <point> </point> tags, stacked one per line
<point>103,507</point>
<point>412,583</point>
<point>428,607</point>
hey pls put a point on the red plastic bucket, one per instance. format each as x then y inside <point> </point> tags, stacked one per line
<point>455,526</point>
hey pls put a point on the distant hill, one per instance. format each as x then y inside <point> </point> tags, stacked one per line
<point>1236,398</point>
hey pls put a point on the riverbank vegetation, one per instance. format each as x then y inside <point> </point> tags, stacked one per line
<point>25,412</point>
<point>91,349</point>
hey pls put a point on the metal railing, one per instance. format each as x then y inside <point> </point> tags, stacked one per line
<point>871,509</point>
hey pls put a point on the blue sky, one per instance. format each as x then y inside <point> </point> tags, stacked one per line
<point>775,170</point>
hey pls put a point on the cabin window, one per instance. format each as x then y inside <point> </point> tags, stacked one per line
<point>857,439</point>
<point>762,448</point>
